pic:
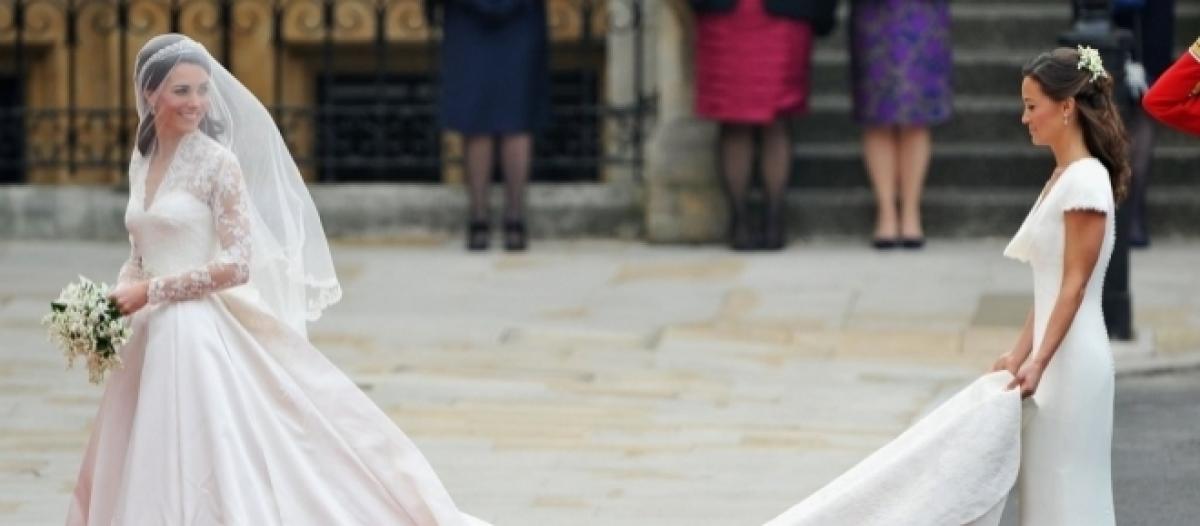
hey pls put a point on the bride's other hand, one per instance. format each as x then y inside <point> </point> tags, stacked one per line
<point>131,297</point>
<point>1027,378</point>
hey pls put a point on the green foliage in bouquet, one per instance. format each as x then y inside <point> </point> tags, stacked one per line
<point>86,324</point>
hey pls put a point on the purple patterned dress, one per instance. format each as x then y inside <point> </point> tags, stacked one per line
<point>900,61</point>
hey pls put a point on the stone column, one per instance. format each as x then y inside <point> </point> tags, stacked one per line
<point>631,44</point>
<point>684,200</point>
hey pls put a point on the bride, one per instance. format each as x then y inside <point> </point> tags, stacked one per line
<point>223,412</point>
<point>957,465</point>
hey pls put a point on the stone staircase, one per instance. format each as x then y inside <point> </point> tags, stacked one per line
<point>984,173</point>
<point>983,178</point>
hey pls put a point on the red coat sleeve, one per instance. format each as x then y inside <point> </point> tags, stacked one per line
<point>1175,97</point>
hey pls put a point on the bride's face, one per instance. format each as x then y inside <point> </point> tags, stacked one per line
<point>1043,116</point>
<point>181,101</point>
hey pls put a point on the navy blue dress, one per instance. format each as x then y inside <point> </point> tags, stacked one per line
<point>494,66</point>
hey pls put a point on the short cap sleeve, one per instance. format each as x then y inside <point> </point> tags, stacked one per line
<point>1086,187</point>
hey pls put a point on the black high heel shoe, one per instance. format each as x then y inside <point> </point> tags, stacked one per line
<point>884,243</point>
<point>741,238</point>
<point>479,235</point>
<point>515,237</point>
<point>774,236</point>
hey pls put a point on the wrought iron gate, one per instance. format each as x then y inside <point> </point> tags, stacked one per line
<point>352,84</point>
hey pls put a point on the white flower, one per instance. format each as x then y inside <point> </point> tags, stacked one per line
<point>81,323</point>
<point>1089,59</point>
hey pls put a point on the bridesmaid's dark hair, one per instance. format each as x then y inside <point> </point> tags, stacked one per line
<point>153,77</point>
<point>1059,76</point>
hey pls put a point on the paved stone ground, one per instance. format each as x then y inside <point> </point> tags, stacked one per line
<point>1156,449</point>
<point>604,383</point>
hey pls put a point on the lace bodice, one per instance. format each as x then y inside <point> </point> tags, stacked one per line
<point>193,238</point>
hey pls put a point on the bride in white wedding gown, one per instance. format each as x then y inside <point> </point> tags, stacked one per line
<point>223,412</point>
<point>957,465</point>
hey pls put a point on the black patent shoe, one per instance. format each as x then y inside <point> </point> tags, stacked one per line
<point>515,237</point>
<point>741,238</point>
<point>479,235</point>
<point>884,243</point>
<point>774,237</point>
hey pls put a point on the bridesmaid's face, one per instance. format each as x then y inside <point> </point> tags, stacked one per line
<point>181,102</point>
<point>1043,116</point>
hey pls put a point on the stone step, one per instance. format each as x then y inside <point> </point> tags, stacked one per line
<point>435,213</point>
<point>982,25</point>
<point>968,166</point>
<point>976,119</point>
<point>975,72</point>
<point>975,212</point>
<point>987,59</point>
<point>987,66</point>
<point>1017,2</point>
<point>391,210</point>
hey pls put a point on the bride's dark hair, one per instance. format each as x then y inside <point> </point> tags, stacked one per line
<point>1060,77</point>
<point>150,77</point>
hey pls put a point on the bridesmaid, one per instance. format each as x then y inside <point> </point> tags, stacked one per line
<point>1062,358</point>
<point>752,74</point>
<point>900,62</point>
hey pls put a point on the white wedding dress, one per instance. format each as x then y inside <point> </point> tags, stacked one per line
<point>222,414</point>
<point>957,465</point>
<point>1066,456</point>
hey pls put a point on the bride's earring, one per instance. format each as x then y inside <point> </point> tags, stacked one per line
<point>1066,119</point>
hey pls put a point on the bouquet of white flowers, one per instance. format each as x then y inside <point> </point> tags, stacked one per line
<point>86,324</point>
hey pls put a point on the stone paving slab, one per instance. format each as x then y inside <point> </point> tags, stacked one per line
<point>609,383</point>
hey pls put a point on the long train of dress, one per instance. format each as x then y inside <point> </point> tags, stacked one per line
<point>222,415</point>
<point>955,466</point>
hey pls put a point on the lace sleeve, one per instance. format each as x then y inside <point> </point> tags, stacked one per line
<point>231,267</point>
<point>131,270</point>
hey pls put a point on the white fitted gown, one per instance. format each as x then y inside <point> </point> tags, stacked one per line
<point>957,465</point>
<point>1066,457</point>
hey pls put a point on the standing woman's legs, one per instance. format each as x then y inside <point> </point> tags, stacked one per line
<point>737,161</point>
<point>776,167</point>
<point>880,145</point>
<point>516,152</point>
<point>480,158</point>
<point>915,147</point>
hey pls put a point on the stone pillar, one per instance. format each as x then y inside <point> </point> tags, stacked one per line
<point>631,45</point>
<point>684,200</point>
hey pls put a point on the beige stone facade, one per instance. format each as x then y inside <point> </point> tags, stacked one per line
<point>103,57</point>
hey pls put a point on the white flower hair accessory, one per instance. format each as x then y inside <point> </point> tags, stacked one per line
<point>1089,59</point>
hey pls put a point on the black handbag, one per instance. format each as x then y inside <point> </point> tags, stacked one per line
<point>820,14</point>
